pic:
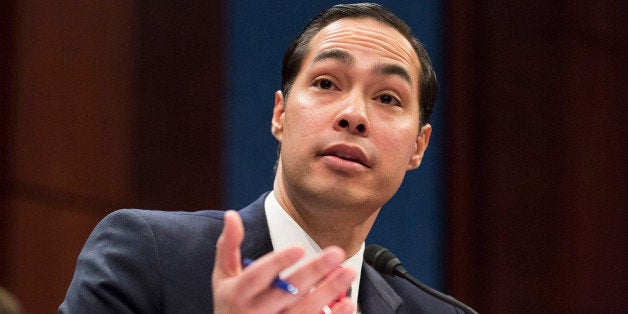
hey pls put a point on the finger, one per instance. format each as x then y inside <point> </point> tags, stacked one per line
<point>345,306</point>
<point>260,275</point>
<point>315,270</point>
<point>326,292</point>
<point>228,259</point>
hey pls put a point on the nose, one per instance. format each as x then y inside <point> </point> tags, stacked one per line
<point>353,117</point>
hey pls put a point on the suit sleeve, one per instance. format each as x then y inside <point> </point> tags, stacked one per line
<point>118,270</point>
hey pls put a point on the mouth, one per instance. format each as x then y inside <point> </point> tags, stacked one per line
<point>348,153</point>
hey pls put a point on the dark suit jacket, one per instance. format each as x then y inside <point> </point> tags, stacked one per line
<point>161,262</point>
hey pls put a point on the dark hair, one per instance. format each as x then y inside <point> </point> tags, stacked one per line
<point>300,46</point>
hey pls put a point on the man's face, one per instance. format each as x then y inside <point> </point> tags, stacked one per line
<point>349,129</point>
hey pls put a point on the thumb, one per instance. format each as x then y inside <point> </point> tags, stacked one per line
<point>228,258</point>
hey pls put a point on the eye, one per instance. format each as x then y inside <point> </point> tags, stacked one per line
<point>324,84</point>
<point>388,100</point>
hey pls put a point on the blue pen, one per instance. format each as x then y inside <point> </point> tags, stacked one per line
<point>277,283</point>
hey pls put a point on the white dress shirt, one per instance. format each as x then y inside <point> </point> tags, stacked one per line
<point>284,232</point>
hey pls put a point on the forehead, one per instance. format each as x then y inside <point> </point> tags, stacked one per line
<point>366,36</point>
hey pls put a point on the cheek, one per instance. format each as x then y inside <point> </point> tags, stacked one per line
<point>302,126</point>
<point>304,119</point>
<point>399,147</point>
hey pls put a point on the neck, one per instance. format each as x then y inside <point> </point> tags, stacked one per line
<point>329,224</point>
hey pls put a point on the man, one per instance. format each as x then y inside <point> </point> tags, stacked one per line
<point>351,119</point>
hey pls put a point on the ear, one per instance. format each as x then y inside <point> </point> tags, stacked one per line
<point>276,127</point>
<point>420,146</point>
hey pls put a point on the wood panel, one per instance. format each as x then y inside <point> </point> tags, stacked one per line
<point>71,125</point>
<point>45,240</point>
<point>69,140</point>
<point>538,178</point>
<point>110,104</point>
<point>177,118</point>
<point>6,84</point>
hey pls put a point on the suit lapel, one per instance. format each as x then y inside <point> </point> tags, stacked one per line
<point>256,235</point>
<point>376,295</point>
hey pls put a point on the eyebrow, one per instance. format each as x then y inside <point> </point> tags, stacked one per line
<point>392,69</point>
<point>379,69</point>
<point>334,54</point>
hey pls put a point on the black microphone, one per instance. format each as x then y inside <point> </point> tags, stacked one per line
<point>384,261</point>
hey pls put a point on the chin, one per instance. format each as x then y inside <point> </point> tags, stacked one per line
<point>348,198</point>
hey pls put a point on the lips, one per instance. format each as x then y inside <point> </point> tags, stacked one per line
<point>346,152</point>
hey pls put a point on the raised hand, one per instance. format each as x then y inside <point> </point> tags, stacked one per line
<point>237,290</point>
